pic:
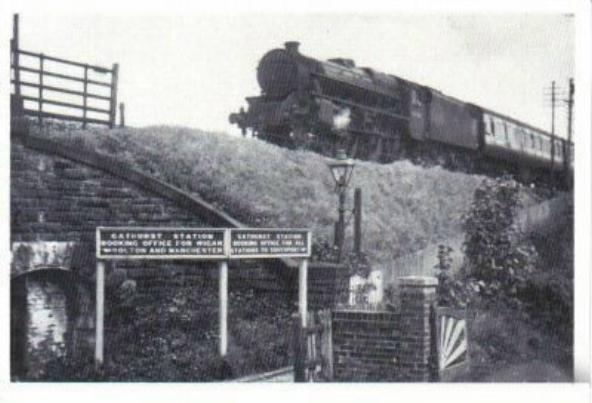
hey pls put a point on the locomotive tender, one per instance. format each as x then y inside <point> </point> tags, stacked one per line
<point>324,105</point>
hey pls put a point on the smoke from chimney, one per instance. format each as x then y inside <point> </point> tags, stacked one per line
<point>341,119</point>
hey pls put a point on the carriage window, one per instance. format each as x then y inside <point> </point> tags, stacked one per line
<point>540,143</point>
<point>532,140</point>
<point>492,127</point>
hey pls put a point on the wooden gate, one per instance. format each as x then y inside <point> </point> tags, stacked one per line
<point>313,348</point>
<point>451,343</point>
<point>73,91</point>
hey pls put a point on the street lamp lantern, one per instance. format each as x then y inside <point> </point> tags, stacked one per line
<point>341,169</point>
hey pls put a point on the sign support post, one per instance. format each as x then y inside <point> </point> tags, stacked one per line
<point>100,312</point>
<point>206,244</point>
<point>223,309</point>
<point>302,290</point>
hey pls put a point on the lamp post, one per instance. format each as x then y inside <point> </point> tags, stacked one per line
<point>341,169</point>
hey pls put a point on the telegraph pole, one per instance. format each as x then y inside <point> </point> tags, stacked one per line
<point>553,105</point>
<point>552,128</point>
<point>570,102</point>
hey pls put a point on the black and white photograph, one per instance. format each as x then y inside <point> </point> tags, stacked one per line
<point>303,195</point>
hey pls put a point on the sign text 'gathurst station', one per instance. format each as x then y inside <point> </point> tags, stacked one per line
<point>201,243</point>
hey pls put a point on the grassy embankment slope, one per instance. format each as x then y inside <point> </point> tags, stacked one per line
<point>405,207</point>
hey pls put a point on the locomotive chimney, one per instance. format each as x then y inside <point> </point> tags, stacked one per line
<point>292,47</point>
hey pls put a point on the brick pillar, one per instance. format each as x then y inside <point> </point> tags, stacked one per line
<point>418,297</point>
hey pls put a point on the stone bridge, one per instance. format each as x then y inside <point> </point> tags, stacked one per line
<point>59,195</point>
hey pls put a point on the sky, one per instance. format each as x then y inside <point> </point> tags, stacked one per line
<point>195,69</point>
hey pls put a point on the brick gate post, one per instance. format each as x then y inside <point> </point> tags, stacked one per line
<point>418,298</point>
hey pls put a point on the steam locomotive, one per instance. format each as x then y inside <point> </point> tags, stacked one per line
<point>325,105</point>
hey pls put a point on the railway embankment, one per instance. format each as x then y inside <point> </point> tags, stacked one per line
<point>406,208</point>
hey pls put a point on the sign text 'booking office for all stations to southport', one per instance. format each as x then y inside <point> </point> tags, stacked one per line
<point>201,243</point>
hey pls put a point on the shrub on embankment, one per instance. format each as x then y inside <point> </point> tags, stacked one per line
<point>518,288</point>
<point>405,207</point>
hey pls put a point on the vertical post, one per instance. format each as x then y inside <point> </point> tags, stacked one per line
<point>418,298</point>
<point>553,107</point>
<point>552,129</point>
<point>568,153</point>
<point>223,310</point>
<point>299,349</point>
<point>358,221</point>
<point>336,233</point>
<point>40,103</point>
<point>100,312</point>
<point>15,56</point>
<point>341,223</point>
<point>121,114</point>
<point>113,102</point>
<point>84,96</point>
<point>570,103</point>
<point>302,290</point>
<point>326,344</point>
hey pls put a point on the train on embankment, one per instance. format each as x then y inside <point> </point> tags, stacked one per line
<point>325,105</point>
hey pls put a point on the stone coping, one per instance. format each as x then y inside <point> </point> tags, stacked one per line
<point>418,281</point>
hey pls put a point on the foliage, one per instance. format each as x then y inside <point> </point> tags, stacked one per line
<point>358,264</point>
<point>499,260</point>
<point>499,341</point>
<point>172,336</point>
<point>324,250</point>
<point>361,294</point>
<point>515,308</point>
<point>451,291</point>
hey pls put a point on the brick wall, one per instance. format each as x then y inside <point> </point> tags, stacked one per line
<point>365,345</point>
<point>328,283</point>
<point>388,346</point>
<point>54,199</point>
<point>418,300</point>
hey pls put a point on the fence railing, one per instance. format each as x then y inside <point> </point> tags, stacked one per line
<point>47,86</point>
<point>313,347</point>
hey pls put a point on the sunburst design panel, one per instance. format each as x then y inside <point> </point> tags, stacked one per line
<point>452,341</point>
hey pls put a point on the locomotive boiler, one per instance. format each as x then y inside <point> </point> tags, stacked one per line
<point>324,105</point>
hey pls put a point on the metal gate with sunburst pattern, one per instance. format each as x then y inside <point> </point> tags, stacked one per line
<point>451,343</point>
